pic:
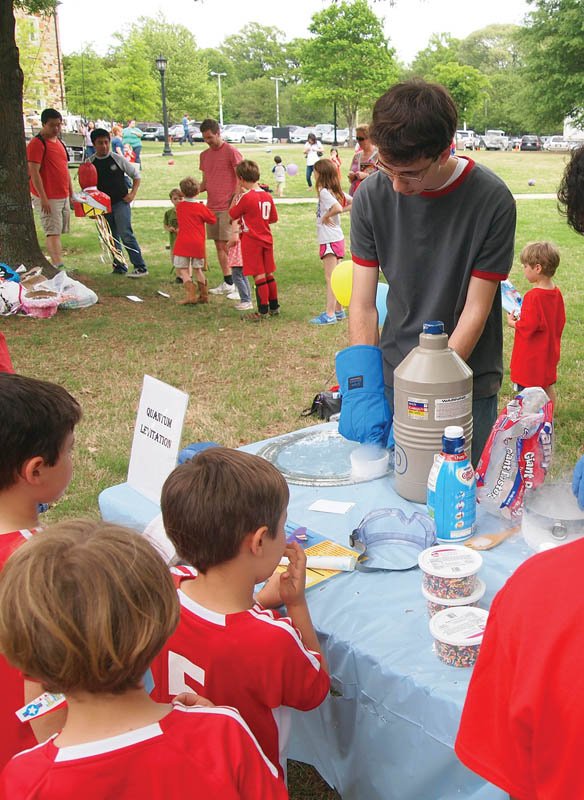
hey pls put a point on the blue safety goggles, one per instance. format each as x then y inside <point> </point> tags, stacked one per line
<point>391,539</point>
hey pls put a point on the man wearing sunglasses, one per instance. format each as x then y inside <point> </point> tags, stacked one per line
<point>441,229</point>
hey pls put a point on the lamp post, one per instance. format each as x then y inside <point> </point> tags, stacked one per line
<point>161,67</point>
<point>277,101</point>
<point>219,74</point>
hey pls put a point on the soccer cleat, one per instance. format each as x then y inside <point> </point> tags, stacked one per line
<point>340,314</point>
<point>274,312</point>
<point>323,320</point>
<point>244,306</point>
<point>223,288</point>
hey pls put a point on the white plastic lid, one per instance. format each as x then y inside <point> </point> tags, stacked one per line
<point>462,626</point>
<point>453,431</point>
<point>457,601</point>
<point>450,561</point>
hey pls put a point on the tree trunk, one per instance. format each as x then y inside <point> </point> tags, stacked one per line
<point>18,239</point>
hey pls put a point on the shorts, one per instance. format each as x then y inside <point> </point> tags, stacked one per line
<point>184,262</point>
<point>221,229</point>
<point>333,248</point>
<point>58,221</point>
<point>258,257</point>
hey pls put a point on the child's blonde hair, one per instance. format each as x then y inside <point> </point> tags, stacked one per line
<point>190,187</point>
<point>86,606</point>
<point>544,253</point>
<point>327,177</point>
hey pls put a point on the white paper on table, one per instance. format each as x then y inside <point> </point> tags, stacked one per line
<point>331,506</point>
<point>134,299</point>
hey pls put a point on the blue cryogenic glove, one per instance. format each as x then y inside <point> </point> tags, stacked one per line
<point>365,414</point>
<point>578,482</point>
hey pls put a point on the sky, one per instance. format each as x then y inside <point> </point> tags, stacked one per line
<point>408,25</point>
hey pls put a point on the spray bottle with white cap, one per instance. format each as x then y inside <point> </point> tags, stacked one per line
<point>451,496</point>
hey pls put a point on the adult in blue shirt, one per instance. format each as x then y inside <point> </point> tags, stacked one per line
<point>187,133</point>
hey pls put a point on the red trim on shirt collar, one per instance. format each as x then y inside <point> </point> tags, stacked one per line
<point>455,184</point>
<point>363,262</point>
<point>488,276</point>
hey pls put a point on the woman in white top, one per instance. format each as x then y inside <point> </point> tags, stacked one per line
<point>312,152</point>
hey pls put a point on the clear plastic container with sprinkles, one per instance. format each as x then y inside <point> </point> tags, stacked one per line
<point>458,633</point>
<point>450,570</point>
<point>436,604</point>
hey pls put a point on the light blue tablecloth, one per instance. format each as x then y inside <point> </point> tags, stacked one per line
<point>388,731</point>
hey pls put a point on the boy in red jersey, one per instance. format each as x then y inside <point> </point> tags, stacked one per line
<point>256,210</point>
<point>538,332</point>
<point>189,248</point>
<point>83,609</point>
<point>228,647</point>
<point>37,422</point>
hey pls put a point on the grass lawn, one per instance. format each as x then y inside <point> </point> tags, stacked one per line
<point>246,382</point>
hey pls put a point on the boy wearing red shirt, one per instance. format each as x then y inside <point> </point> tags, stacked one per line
<point>83,609</point>
<point>228,646</point>
<point>189,248</point>
<point>538,332</point>
<point>37,422</point>
<point>256,210</point>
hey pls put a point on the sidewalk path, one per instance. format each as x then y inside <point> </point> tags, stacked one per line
<point>291,201</point>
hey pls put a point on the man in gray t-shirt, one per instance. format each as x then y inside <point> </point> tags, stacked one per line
<point>441,229</point>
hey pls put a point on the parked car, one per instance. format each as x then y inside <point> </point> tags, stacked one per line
<point>342,137</point>
<point>495,140</point>
<point>574,145</point>
<point>264,133</point>
<point>299,135</point>
<point>557,143</point>
<point>240,133</point>
<point>154,133</point>
<point>467,140</point>
<point>322,130</point>
<point>530,142</point>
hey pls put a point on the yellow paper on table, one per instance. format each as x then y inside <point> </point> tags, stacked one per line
<point>324,548</point>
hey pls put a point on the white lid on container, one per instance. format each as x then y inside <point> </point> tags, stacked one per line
<point>461,626</point>
<point>453,431</point>
<point>450,561</point>
<point>457,601</point>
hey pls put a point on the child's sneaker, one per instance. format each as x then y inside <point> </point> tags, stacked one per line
<point>323,319</point>
<point>244,306</point>
<point>340,314</point>
<point>223,288</point>
<point>234,295</point>
<point>254,317</point>
<point>274,312</point>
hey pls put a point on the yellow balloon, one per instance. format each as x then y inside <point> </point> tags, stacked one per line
<point>342,282</point>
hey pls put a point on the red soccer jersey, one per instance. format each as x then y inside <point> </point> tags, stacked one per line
<point>54,169</point>
<point>16,735</point>
<point>257,212</point>
<point>190,239</point>
<point>521,725</point>
<point>538,332</point>
<point>192,752</point>
<point>254,660</point>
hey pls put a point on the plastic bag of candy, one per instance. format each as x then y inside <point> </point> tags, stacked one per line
<point>517,454</point>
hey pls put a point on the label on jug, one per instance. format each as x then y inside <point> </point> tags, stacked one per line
<point>451,497</point>
<point>452,407</point>
<point>417,408</point>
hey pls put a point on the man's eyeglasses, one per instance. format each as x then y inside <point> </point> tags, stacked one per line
<point>417,176</point>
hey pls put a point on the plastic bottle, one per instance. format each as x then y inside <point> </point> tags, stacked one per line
<point>432,388</point>
<point>451,496</point>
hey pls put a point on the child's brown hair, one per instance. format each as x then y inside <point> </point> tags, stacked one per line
<point>35,420</point>
<point>327,177</point>
<point>247,171</point>
<point>211,503</point>
<point>86,606</point>
<point>544,253</point>
<point>190,186</point>
<point>174,191</point>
